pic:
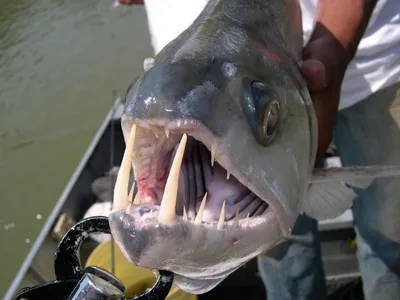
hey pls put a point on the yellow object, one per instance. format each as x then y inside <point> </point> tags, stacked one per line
<point>135,279</point>
<point>353,244</point>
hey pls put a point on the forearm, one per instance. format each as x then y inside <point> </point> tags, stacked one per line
<point>334,42</point>
<point>346,20</point>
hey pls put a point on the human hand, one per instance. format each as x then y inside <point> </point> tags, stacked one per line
<point>324,65</point>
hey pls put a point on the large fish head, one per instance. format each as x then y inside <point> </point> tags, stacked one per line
<point>238,106</point>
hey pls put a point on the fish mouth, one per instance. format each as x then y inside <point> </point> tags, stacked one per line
<point>194,212</point>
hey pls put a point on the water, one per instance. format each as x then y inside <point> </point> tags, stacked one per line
<point>59,61</point>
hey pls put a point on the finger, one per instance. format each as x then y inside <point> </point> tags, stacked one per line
<point>315,74</point>
<point>326,120</point>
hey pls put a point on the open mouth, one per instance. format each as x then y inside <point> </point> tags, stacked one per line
<point>194,212</point>
<point>183,174</point>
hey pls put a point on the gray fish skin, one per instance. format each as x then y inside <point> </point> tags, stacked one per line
<point>204,76</point>
<point>186,81</point>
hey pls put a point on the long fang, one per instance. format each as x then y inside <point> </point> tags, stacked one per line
<point>221,217</point>
<point>130,195</point>
<point>168,202</point>
<point>121,184</point>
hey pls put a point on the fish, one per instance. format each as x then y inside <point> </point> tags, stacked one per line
<point>221,140</point>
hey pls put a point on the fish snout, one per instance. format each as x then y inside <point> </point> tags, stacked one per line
<point>169,94</point>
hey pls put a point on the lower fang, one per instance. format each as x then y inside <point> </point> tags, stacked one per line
<point>168,202</point>
<point>130,195</point>
<point>137,199</point>
<point>236,222</point>
<point>247,221</point>
<point>221,217</point>
<point>199,217</point>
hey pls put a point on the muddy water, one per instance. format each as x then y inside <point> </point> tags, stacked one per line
<point>59,61</point>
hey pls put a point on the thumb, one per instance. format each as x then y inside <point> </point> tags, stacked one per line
<point>315,74</point>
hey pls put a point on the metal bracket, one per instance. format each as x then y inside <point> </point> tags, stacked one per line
<point>92,283</point>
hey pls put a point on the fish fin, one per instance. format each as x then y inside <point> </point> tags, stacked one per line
<point>331,191</point>
<point>354,173</point>
<point>328,200</point>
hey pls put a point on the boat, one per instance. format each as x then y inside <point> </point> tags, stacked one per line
<point>337,235</point>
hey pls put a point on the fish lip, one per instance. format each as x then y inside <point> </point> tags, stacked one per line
<point>140,243</point>
<point>200,132</point>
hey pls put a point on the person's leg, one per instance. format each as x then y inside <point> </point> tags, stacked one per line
<point>293,270</point>
<point>365,134</point>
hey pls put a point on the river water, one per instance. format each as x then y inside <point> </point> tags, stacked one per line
<point>59,62</point>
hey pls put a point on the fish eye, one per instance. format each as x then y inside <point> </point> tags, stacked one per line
<point>262,110</point>
<point>270,118</point>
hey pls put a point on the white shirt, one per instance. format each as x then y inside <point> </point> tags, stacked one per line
<point>375,66</point>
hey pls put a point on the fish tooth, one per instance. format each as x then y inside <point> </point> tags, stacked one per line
<point>166,132</point>
<point>130,195</point>
<point>121,184</point>
<point>221,217</point>
<point>168,202</point>
<point>213,153</point>
<point>236,222</point>
<point>185,217</point>
<point>199,217</point>
<point>154,131</point>
<point>134,172</point>
<point>247,220</point>
<point>228,175</point>
<point>178,123</point>
<point>136,201</point>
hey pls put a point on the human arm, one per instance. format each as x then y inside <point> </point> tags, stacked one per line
<point>333,44</point>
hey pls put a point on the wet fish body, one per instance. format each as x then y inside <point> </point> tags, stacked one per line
<point>222,137</point>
